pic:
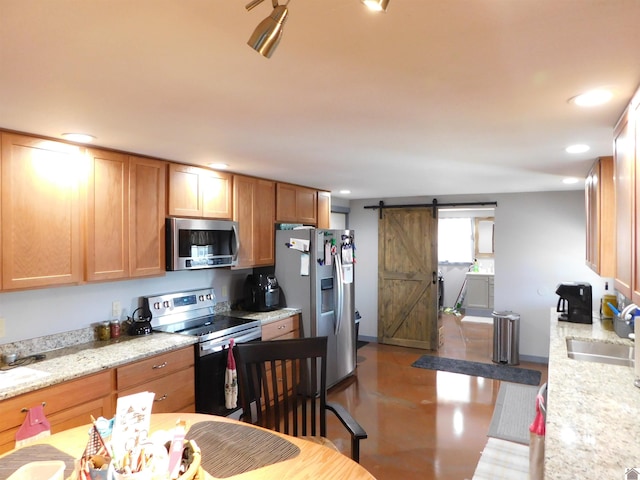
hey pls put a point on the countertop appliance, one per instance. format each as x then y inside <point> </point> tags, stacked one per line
<point>193,313</point>
<point>261,292</point>
<point>574,302</point>
<point>315,270</point>
<point>201,243</point>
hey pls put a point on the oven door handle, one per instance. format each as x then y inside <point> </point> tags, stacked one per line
<point>219,346</point>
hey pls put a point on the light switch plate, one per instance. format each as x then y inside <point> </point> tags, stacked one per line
<point>116,309</point>
<point>2,330</point>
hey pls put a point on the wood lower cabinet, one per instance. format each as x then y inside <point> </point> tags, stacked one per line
<point>199,192</point>
<point>296,204</point>
<point>41,212</point>
<point>171,376</point>
<point>600,205</point>
<point>254,202</point>
<point>69,404</point>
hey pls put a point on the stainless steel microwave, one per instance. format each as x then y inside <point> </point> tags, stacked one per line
<point>201,243</point>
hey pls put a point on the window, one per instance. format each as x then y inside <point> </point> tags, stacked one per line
<point>455,240</point>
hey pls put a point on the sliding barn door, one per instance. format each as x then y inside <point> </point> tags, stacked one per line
<point>407,278</point>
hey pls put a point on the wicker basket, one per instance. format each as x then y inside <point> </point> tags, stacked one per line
<point>194,457</point>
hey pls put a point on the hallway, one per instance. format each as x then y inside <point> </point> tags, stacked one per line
<point>422,424</point>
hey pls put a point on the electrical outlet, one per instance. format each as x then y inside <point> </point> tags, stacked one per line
<point>2,331</point>
<point>116,309</point>
<point>225,291</point>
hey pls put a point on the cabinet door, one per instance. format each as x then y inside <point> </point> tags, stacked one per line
<point>286,203</point>
<point>624,186</point>
<point>635,139</point>
<point>147,193</point>
<point>477,292</point>
<point>324,210</point>
<point>264,227</point>
<point>216,194</point>
<point>244,192</point>
<point>107,222</point>
<point>185,197</point>
<point>307,205</point>
<point>41,232</point>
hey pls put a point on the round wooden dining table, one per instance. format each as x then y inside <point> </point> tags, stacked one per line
<point>231,449</point>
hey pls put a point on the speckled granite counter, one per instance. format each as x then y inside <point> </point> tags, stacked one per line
<point>593,410</point>
<point>64,363</point>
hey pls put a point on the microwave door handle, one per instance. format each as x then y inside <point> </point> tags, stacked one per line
<point>237,237</point>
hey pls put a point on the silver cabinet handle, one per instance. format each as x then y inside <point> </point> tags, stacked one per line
<point>160,399</point>
<point>157,367</point>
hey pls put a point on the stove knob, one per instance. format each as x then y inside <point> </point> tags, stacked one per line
<point>156,305</point>
<point>208,296</point>
<point>201,298</point>
<point>165,304</point>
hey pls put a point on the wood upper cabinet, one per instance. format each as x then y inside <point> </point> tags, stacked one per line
<point>41,212</point>
<point>324,209</point>
<point>600,206</point>
<point>147,212</point>
<point>199,192</point>
<point>624,181</point>
<point>296,204</point>
<point>125,216</point>
<point>254,201</point>
<point>107,219</point>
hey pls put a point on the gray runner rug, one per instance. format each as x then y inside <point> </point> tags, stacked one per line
<point>514,411</point>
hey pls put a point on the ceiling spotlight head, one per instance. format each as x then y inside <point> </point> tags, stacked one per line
<point>377,5</point>
<point>266,36</point>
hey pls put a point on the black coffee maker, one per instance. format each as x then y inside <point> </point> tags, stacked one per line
<point>574,304</point>
<point>262,293</point>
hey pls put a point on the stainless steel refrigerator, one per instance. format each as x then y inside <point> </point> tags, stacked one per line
<point>315,272</point>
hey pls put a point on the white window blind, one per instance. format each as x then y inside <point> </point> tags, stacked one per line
<point>455,240</point>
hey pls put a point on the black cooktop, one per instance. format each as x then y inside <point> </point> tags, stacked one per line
<point>216,323</point>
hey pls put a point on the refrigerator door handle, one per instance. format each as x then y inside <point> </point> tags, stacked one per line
<point>340,290</point>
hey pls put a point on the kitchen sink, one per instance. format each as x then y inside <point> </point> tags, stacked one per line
<point>600,352</point>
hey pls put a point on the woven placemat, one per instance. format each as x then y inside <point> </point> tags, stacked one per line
<point>33,453</point>
<point>230,449</point>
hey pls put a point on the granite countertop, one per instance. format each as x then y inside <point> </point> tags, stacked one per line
<point>592,409</point>
<point>66,362</point>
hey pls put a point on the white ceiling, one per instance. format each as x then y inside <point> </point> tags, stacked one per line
<point>433,97</point>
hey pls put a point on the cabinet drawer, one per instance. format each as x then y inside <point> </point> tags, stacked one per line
<point>154,367</point>
<point>57,398</point>
<point>280,327</point>
<point>173,393</point>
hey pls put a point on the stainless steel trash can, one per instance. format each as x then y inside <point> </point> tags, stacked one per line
<point>506,338</point>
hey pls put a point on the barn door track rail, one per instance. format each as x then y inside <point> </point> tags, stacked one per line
<point>434,205</point>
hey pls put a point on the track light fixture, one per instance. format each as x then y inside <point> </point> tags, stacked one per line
<point>377,5</point>
<point>267,35</point>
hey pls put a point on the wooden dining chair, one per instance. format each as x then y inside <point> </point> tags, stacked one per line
<point>283,387</point>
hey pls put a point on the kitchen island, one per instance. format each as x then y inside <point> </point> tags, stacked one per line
<point>592,409</point>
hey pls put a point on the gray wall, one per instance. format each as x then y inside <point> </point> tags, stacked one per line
<point>540,242</point>
<point>34,313</point>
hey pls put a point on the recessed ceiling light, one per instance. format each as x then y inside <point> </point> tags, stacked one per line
<point>592,98</point>
<point>219,166</point>
<point>345,192</point>
<point>377,5</point>
<point>579,148</point>
<point>570,180</point>
<point>78,137</point>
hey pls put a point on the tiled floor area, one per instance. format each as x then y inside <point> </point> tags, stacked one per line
<point>422,424</point>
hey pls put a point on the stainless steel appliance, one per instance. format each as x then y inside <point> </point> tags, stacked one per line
<point>193,313</point>
<point>315,270</point>
<point>261,292</point>
<point>574,302</point>
<point>201,243</point>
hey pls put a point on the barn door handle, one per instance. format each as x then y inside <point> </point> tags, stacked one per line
<point>434,279</point>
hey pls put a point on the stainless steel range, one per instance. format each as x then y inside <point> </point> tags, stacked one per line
<point>193,313</point>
